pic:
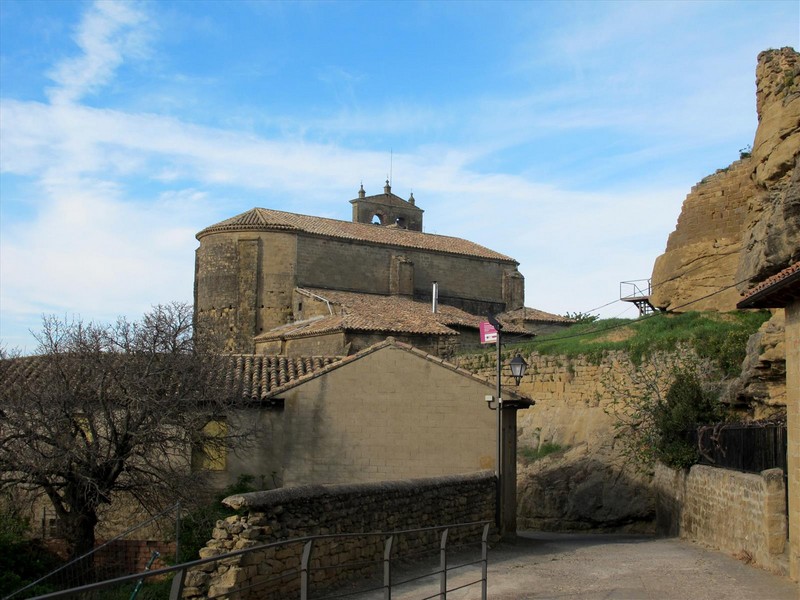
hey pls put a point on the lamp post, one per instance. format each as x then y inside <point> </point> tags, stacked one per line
<point>518,366</point>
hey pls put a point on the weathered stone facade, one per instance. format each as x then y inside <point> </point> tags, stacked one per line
<point>313,510</point>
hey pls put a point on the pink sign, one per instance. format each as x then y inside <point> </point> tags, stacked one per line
<point>488,333</point>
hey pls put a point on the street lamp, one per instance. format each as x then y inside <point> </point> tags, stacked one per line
<point>518,367</point>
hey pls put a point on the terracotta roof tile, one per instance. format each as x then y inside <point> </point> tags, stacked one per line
<point>264,219</point>
<point>774,291</point>
<point>255,377</point>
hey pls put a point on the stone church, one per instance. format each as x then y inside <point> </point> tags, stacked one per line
<point>279,283</point>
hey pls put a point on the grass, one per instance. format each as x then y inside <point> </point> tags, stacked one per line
<point>529,455</point>
<point>718,336</point>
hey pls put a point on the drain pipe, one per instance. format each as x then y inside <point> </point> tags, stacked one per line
<point>435,296</point>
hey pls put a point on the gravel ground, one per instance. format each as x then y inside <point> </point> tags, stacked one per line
<point>589,567</point>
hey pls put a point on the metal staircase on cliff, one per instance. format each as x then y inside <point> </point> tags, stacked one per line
<point>638,293</point>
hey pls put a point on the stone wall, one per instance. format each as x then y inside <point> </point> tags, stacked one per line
<point>472,284</point>
<point>570,395</point>
<point>743,514</point>
<point>290,513</point>
<point>588,486</point>
<point>243,285</point>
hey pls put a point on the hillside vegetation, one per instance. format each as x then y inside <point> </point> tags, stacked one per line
<point>721,337</point>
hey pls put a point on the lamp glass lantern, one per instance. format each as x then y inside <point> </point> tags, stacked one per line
<point>518,368</point>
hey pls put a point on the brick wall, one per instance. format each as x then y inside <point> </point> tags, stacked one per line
<point>743,514</point>
<point>352,508</point>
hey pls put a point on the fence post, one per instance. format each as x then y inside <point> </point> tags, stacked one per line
<point>387,568</point>
<point>176,590</point>
<point>178,533</point>
<point>443,565</point>
<point>304,565</point>
<point>484,561</point>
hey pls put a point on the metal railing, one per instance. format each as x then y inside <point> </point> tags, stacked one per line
<point>638,288</point>
<point>304,573</point>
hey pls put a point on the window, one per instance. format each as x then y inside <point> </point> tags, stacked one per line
<point>211,454</point>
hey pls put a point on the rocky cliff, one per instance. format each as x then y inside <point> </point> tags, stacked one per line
<point>742,223</point>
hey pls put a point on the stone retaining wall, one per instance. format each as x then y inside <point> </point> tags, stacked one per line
<point>289,513</point>
<point>743,514</point>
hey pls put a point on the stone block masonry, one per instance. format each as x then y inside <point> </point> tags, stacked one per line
<point>743,514</point>
<point>289,513</point>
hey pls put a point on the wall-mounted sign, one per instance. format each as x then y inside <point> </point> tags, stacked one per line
<point>488,333</point>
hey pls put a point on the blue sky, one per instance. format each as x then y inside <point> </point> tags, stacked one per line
<point>564,134</point>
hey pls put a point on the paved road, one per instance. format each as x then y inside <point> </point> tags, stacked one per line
<point>618,567</point>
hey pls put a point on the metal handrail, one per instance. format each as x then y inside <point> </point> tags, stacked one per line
<point>638,291</point>
<point>180,571</point>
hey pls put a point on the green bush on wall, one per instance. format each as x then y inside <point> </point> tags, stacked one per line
<point>687,404</point>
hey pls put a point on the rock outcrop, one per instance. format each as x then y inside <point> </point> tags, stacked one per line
<point>741,223</point>
<point>772,231</point>
<point>697,271</point>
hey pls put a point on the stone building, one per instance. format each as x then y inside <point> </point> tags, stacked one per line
<point>389,412</point>
<point>274,282</point>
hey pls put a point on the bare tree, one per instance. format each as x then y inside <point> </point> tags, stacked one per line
<point>106,411</point>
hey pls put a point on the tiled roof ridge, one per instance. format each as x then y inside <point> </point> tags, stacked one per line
<point>535,314</point>
<point>267,219</point>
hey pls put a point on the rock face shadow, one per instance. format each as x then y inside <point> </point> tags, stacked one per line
<point>577,491</point>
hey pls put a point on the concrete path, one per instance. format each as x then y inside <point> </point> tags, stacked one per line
<point>619,567</point>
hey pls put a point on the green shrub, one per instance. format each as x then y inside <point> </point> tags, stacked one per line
<point>687,404</point>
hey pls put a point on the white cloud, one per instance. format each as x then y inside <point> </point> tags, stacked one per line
<point>107,33</point>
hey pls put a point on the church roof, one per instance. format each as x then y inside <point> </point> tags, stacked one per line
<point>265,219</point>
<point>377,313</point>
